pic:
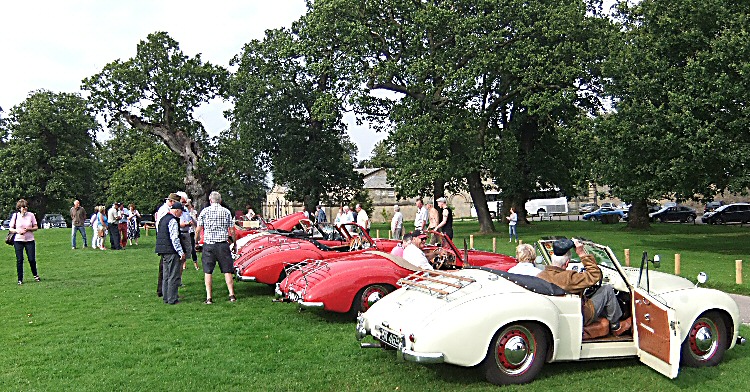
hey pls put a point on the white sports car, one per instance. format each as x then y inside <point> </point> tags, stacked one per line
<point>512,324</point>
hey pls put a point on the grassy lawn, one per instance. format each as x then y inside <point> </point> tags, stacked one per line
<point>94,323</point>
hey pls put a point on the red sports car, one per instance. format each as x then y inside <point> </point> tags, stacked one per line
<point>351,284</point>
<point>267,264</point>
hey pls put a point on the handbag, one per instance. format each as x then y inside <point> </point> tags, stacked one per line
<point>11,237</point>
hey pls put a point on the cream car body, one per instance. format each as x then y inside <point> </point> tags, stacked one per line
<point>475,316</point>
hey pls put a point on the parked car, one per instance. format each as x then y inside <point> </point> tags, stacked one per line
<point>588,207</point>
<point>677,213</point>
<point>729,213</point>
<point>53,220</point>
<point>267,265</point>
<point>602,212</point>
<point>512,324</point>
<point>351,284</point>
<point>712,206</point>
<point>147,219</point>
<point>609,205</point>
<point>5,225</point>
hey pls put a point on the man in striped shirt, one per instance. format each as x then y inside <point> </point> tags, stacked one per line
<point>214,222</point>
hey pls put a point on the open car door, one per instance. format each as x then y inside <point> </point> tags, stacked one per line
<point>656,333</point>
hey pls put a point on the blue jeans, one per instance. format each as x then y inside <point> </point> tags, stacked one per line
<point>73,235</point>
<point>512,232</point>
<point>30,247</point>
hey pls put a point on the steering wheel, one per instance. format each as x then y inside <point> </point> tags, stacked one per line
<point>355,244</point>
<point>588,292</point>
<point>441,259</point>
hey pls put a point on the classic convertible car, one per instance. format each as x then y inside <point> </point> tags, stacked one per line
<point>266,265</point>
<point>351,284</point>
<point>513,324</point>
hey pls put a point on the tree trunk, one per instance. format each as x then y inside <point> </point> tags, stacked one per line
<point>187,148</point>
<point>476,190</point>
<point>638,215</point>
<point>438,191</point>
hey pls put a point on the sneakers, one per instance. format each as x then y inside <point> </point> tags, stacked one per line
<point>623,327</point>
<point>20,282</point>
<point>208,301</point>
<point>36,278</point>
<point>232,298</point>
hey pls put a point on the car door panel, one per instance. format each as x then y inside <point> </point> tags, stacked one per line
<point>656,335</point>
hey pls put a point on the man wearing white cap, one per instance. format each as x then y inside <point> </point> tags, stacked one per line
<point>446,224</point>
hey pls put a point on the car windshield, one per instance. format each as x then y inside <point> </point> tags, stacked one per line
<point>601,253</point>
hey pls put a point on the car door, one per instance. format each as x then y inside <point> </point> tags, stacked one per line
<point>656,333</point>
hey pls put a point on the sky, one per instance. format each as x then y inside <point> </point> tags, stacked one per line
<point>53,44</point>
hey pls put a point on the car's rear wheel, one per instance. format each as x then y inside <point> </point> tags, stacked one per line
<point>706,341</point>
<point>516,355</point>
<point>690,219</point>
<point>367,296</point>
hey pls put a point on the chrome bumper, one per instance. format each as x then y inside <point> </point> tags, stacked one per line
<point>413,356</point>
<point>311,305</point>
<point>245,278</point>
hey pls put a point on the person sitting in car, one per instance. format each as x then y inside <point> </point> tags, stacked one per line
<point>603,303</point>
<point>525,254</point>
<point>414,253</point>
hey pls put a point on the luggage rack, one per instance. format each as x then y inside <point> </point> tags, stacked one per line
<point>307,267</point>
<point>435,282</point>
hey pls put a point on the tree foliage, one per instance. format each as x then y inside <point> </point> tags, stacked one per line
<point>288,110</point>
<point>157,91</point>
<point>49,157</point>
<point>680,88</point>
<point>474,80</point>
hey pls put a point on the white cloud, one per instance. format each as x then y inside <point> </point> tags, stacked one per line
<point>53,45</point>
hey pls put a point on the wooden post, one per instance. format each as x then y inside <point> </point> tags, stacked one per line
<point>520,242</point>
<point>738,271</point>
<point>377,233</point>
<point>494,244</point>
<point>627,257</point>
<point>390,234</point>
<point>676,263</point>
<point>471,241</point>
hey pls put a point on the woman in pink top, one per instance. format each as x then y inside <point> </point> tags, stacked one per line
<point>24,225</point>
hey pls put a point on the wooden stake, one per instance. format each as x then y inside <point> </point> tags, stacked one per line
<point>738,271</point>
<point>676,263</point>
<point>377,233</point>
<point>520,242</point>
<point>494,244</point>
<point>627,257</point>
<point>471,241</point>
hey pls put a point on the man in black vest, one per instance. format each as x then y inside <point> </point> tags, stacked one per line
<point>446,224</point>
<point>172,255</point>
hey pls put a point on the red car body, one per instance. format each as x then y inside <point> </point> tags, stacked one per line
<point>267,264</point>
<point>351,284</point>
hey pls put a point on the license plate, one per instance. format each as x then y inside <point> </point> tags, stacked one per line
<point>392,339</point>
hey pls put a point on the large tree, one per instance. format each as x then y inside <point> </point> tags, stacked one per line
<point>49,157</point>
<point>468,75</point>
<point>157,91</point>
<point>288,111</point>
<point>680,88</point>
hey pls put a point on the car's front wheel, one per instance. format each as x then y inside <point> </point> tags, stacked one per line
<point>516,355</point>
<point>706,341</point>
<point>690,219</point>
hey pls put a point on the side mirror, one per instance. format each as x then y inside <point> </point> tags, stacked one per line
<point>657,261</point>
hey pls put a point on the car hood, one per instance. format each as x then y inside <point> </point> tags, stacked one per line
<point>659,282</point>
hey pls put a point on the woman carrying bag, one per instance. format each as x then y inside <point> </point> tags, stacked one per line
<point>24,224</point>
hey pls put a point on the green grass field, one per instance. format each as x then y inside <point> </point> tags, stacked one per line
<point>94,323</point>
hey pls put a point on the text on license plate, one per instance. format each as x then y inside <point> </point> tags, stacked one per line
<point>391,339</point>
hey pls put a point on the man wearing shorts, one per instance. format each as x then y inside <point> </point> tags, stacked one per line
<point>214,222</point>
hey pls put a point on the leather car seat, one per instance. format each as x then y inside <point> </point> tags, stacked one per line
<point>596,329</point>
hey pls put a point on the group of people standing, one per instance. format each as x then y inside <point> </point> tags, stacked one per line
<point>427,218</point>
<point>179,233</point>
<point>346,215</point>
<point>117,222</point>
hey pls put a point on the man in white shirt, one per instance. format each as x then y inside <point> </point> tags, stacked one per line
<point>413,252</point>
<point>397,223</point>
<point>421,219</point>
<point>362,218</point>
<point>347,216</point>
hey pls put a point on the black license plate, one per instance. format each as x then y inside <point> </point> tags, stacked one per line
<point>391,339</point>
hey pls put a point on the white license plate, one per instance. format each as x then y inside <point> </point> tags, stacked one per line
<point>392,339</point>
